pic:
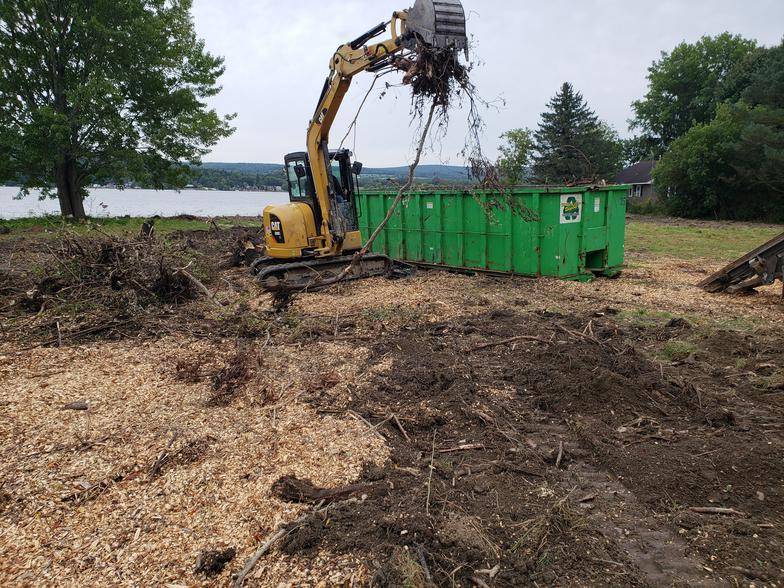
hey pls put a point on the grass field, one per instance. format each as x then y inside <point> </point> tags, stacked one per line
<point>121,225</point>
<point>693,240</point>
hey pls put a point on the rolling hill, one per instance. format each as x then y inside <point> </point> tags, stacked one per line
<point>447,173</point>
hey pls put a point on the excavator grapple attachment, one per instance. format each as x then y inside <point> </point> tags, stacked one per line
<point>440,23</point>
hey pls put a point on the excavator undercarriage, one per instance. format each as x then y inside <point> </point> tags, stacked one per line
<point>310,275</point>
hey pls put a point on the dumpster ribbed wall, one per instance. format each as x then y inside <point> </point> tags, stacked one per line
<point>561,232</point>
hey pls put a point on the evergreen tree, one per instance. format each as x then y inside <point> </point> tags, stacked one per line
<point>572,144</point>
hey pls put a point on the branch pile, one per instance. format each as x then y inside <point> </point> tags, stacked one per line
<point>81,286</point>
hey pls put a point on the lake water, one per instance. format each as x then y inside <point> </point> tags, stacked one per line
<point>165,203</point>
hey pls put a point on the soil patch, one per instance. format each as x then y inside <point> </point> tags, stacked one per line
<point>487,440</point>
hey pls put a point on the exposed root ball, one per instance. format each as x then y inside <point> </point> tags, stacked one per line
<point>231,379</point>
<point>438,78</point>
<point>212,561</point>
<point>433,74</point>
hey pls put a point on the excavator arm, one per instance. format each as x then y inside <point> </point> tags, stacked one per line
<point>437,23</point>
<point>349,60</point>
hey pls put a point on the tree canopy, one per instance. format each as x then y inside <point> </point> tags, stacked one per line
<point>572,144</point>
<point>733,166</point>
<point>103,91</point>
<point>516,151</point>
<point>687,85</point>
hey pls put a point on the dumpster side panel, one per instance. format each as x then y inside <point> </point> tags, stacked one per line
<point>475,234</point>
<point>454,231</point>
<point>616,228</point>
<point>525,234</point>
<point>549,247</point>
<point>595,222</point>
<point>571,214</point>
<point>560,232</point>
<point>499,237</point>
<point>431,210</point>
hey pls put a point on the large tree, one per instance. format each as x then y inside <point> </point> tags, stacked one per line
<point>687,85</point>
<point>103,90</point>
<point>733,166</point>
<point>696,176</point>
<point>572,144</point>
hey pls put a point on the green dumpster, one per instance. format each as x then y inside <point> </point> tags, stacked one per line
<point>572,233</point>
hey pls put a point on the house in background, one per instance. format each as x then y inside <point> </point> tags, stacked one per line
<point>639,176</point>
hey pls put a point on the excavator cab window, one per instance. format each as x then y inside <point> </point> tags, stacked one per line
<point>298,177</point>
<point>342,184</point>
<point>301,183</point>
<point>337,184</point>
<point>344,187</point>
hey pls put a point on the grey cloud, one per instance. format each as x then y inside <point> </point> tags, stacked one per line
<point>277,55</point>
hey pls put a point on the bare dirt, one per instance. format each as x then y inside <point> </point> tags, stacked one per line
<point>449,430</point>
<point>542,452</point>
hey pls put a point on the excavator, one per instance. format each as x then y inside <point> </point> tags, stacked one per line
<point>315,235</point>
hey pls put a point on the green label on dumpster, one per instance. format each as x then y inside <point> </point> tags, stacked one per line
<point>571,208</point>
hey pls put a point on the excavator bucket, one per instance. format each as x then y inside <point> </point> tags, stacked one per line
<point>440,23</point>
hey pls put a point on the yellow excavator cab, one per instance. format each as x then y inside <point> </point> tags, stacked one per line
<point>291,229</point>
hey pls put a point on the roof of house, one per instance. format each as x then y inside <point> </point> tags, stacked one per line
<point>639,173</point>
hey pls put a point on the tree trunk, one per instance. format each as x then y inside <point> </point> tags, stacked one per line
<point>68,189</point>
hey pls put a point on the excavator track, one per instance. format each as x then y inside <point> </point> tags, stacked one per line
<point>312,274</point>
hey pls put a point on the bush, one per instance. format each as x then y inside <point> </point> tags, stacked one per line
<point>728,169</point>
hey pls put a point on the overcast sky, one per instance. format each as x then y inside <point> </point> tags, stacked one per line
<point>277,55</point>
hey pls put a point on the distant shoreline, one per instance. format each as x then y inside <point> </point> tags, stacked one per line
<point>141,202</point>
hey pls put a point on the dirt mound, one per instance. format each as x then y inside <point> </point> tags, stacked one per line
<point>467,491</point>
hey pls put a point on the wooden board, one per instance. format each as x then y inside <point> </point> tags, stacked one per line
<point>740,270</point>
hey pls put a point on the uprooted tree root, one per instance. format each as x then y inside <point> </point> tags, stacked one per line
<point>84,286</point>
<point>233,377</point>
<point>435,75</point>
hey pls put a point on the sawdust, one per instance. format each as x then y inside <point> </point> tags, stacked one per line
<point>660,285</point>
<point>124,525</point>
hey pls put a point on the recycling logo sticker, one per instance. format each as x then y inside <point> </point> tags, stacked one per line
<point>571,208</point>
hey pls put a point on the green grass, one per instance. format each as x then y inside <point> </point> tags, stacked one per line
<point>774,382</point>
<point>678,350</point>
<point>725,243</point>
<point>116,226</point>
<point>647,318</point>
<point>644,318</point>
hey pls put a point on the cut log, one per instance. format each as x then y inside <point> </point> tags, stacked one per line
<point>292,489</point>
